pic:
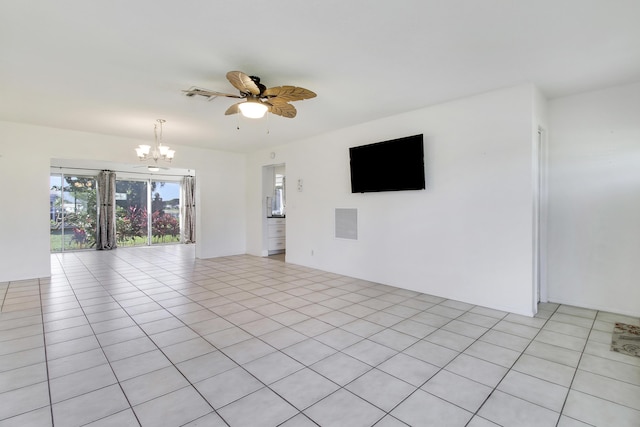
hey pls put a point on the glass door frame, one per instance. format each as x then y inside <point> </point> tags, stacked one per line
<point>149,202</point>
<point>63,173</point>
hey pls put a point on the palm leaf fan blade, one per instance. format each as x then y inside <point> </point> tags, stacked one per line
<point>283,109</point>
<point>288,93</point>
<point>233,109</point>
<point>243,82</point>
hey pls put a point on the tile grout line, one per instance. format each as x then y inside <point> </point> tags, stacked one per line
<point>372,367</point>
<point>300,411</point>
<point>149,337</point>
<point>239,326</point>
<point>577,367</point>
<point>308,337</point>
<point>101,349</point>
<point>46,358</point>
<point>366,338</point>
<point>4,296</point>
<point>353,291</point>
<point>388,413</point>
<point>172,283</point>
<point>277,350</point>
<point>459,353</point>
<point>511,367</point>
<point>217,349</point>
<point>258,338</point>
<point>474,414</point>
<point>582,353</point>
<point>214,346</point>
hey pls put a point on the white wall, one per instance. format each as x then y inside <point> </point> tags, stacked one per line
<point>468,236</point>
<point>25,154</point>
<point>594,200</point>
<point>24,239</point>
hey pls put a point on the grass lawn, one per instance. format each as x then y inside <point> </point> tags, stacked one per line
<point>69,245</point>
<point>142,241</point>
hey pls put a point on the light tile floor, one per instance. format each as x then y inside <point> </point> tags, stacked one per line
<point>154,337</point>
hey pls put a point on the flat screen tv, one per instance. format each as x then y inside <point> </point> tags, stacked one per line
<point>393,165</point>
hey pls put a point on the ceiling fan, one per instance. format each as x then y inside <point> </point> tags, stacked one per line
<point>258,99</point>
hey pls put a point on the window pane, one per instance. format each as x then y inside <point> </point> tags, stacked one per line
<point>131,213</point>
<point>165,207</point>
<point>79,212</point>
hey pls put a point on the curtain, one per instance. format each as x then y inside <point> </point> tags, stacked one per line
<point>106,236</point>
<point>188,209</point>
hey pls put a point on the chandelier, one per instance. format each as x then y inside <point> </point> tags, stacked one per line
<point>158,151</point>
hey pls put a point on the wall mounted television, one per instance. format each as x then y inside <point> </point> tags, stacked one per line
<point>393,165</point>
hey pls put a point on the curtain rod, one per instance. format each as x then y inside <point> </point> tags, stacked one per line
<point>109,170</point>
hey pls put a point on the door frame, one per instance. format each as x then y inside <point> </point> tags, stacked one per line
<point>540,216</point>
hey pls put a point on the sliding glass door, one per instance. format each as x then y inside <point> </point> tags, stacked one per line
<point>135,199</point>
<point>72,212</point>
<point>165,208</point>
<point>132,226</point>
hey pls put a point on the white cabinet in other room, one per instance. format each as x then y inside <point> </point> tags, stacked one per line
<point>277,234</point>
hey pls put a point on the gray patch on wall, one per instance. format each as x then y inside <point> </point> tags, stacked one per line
<point>346,223</point>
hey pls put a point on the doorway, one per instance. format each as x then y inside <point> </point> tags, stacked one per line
<point>274,210</point>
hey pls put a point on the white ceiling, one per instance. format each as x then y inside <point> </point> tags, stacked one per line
<point>114,67</point>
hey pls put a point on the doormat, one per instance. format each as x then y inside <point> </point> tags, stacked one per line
<point>626,339</point>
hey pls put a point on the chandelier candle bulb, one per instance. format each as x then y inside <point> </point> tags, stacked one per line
<point>143,151</point>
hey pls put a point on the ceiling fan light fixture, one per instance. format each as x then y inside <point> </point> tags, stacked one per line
<point>256,98</point>
<point>253,109</point>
